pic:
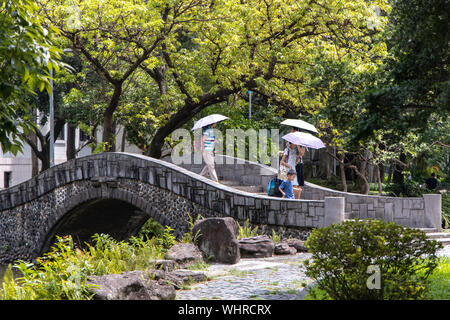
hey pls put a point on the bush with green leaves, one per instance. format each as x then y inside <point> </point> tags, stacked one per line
<point>345,256</point>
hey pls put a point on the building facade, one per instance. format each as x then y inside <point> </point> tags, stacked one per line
<point>17,169</point>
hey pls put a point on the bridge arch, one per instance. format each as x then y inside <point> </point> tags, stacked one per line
<point>118,214</point>
<point>67,199</point>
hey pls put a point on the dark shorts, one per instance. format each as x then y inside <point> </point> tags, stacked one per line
<point>300,178</point>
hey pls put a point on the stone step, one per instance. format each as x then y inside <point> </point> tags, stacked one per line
<point>444,241</point>
<point>438,235</point>
<point>251,189</point>
<point>237,185</point>
<point>428,230</point>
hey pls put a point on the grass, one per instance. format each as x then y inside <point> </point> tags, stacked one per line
<point>240,273</point>
<point>439,287</point>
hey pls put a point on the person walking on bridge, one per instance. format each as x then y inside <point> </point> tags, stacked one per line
<point>208,140</point>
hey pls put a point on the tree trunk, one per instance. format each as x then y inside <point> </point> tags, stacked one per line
<point>34,159</point>
<point>391,169</point>
<point>382,171</point>
<point>342,170</point>
<point>108,134</point>
<point>186,113</point>
<point>176,121</point>
<point>366,187</point>
<point>361,183</point>
<point>398,171</point>
<point>44,156</point>
<point>378,175</point>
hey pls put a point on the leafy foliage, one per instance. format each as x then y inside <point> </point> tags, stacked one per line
<point>27,54</point>
<point>62,273</point>
<point>246,231</point>
<point>439,287</point>
<point>417,75</point>
<point>341,255</point>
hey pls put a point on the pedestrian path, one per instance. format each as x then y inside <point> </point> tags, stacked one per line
<point>274,278</point>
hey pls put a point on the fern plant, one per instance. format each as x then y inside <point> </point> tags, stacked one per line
<point>246,231</point>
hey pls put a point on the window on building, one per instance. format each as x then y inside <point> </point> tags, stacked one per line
<point>7,179</point>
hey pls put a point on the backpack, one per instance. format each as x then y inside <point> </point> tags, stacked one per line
<point>272,187</point>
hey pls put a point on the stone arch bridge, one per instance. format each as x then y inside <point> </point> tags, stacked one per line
<point>116,193</point>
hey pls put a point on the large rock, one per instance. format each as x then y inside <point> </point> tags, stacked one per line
<point>298,244</point>
<point>134,285</point>
<point>284,248</point>
<point>217,239</point>
<point>180,277</point>
<point>166,265</point>
<point>184,254</point>
<point>256,247</point>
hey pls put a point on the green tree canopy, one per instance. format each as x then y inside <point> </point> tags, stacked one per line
<point>198,54</point>
<point>27,53</point>
<point>417,75</point>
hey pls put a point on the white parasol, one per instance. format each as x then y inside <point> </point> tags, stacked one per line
<point>304,139</point>
<point>206,121</point>
<point>300,124</point>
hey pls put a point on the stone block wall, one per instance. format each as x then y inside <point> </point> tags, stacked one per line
<point>423,212</point>
<point>409,212</point>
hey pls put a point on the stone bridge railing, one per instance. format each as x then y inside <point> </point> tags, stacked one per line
<point>419,212</point>
<point>119,191</point>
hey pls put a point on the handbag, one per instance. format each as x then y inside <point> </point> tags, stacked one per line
<point>282,172</point>
<point>282,169</point>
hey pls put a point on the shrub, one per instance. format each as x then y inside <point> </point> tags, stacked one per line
<point>60,274</point>
<point>167,239</point>
<point>150,229</point>
<point>345,257</point>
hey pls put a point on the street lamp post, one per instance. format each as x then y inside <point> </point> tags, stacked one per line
<point>250,104</point>
<point>52,122</point>
<point>52,118</point>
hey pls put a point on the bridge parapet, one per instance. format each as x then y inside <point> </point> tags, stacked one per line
<point>415,212</point>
